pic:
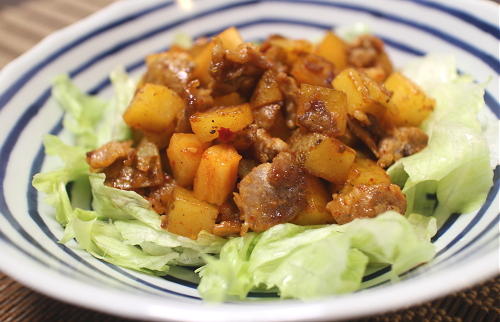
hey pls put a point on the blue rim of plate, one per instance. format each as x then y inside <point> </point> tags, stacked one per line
<point>32,110</point>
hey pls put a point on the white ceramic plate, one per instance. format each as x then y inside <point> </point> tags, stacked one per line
<point>122,35</point>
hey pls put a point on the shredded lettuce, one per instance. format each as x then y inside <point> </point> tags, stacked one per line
<point>53,183</point>
<point>82,111</point>
<point>183,40</point>
<point>91,120</point>
<point>350,32</point>
<point>112,126</point>
<point>455,165</point>
<point>303,262</point>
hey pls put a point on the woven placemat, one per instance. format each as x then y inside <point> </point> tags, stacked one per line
<point>18,303</point>
<point>480,303</point>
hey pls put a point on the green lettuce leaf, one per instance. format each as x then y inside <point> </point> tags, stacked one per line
<point>112,127</point>
<point>138,223</point>
<point>103,240</point>
<point>455,165</point>
<point>350,32</point>
<point>304,262</point>
<point>83,111</point>
<point>93,121</point>
<point>183,40</point>
<point>53,183</point>
<point>394,239</point>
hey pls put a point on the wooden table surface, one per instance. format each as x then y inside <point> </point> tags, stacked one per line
<point>18,303</point>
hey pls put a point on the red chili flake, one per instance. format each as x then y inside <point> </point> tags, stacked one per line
<point>225,134</point>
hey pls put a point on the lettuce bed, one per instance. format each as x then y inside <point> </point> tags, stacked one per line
<point>299,262</point>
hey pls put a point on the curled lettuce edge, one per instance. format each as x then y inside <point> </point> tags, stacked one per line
<point>122,228</point>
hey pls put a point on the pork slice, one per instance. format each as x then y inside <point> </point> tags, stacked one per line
<point>172,69</point>
<point>318,119</point>
<point>272,193</point>
<point>366,201</point>
<point>290,90</point>
<point>238,70</point>
<point>161,197</point>
<point>402,142</point>
<point>107,154</point>
<point>264,146</point>
<point>266,116</point>
<point>140,169</point>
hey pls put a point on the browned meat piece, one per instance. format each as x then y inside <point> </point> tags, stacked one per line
<point>107,154</point>
<point>284,52</point>
<point>245,166</point>
<point>366,201</point>
<point>349,138</point>
<point>148,158</point>
<point>198,99</point>
<point>228,221</point>
<point>318,119</point>
<point>237,71</point>
<point>227,228</point>
<point>402,142</point>
<point>377,73</point>
<point>256,143</point>
<point>228,211</point>
<point>363,134</point>
<point>272,194</point>
<point>264,146</point>
<point>140,169</point>
<point>266,116</point>
<point>276,54</point>
<point>161,197</point>
<point>172,69</point>
<point>368,53</point>
<point>313,69</point>
<point>363,52</point>
<point>290,90</point>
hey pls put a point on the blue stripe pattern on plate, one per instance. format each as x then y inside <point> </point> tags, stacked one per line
<point>40,101</point>
<point>465,16</point>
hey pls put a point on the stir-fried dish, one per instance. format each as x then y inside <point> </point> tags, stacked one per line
<point>231,136</point>
<point>289,166</point>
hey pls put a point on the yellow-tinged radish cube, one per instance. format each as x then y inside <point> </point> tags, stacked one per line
<point>367,172</point>
<point>267,90</point>
<point>315,212</point>
<point>322,110</point>
<point>188,216</point>
<point>330,160</point>
<point>363,93</point>
<point>206,125</point>
<point>184,155</point>
<point>323,156</point>
<point>230,38</point>
<point>408,105</point>
<point>312,69</point>
<point>202,61</point>
<point>161,139</point>
<point>216,176</point>
<point>333,49</point>
<point>292,47</point>
<point>153,109</point>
